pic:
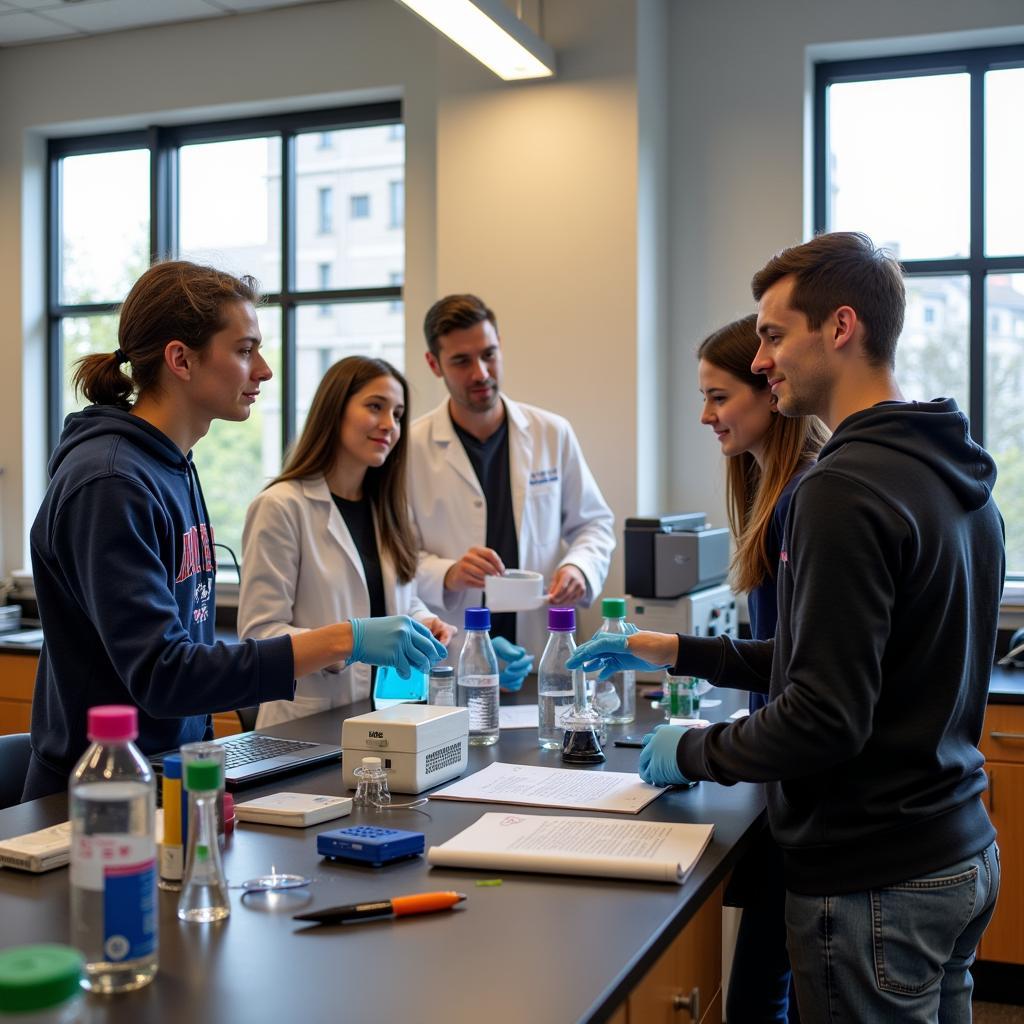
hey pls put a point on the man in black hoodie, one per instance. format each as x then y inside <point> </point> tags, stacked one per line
<point>890,578</point>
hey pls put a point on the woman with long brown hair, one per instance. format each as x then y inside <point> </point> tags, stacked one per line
<point>766,454</point>
<point>331,537</point>
<point>122,547</point>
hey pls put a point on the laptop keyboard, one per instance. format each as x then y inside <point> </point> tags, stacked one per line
<point>253,747</point>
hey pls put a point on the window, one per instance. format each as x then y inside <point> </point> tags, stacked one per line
<point>325,210</point>
<point>923,154</point>
<point>325,141</point>
<point>250,197</point>
<point>396,197</point>
<point>395,278</point>
<point>359,207</point>
<point>324,274</point>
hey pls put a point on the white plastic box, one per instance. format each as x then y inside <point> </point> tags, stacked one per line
<point>420,745</point>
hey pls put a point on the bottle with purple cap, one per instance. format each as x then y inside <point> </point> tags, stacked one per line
<point>477,684</point>
<point>555,694</point>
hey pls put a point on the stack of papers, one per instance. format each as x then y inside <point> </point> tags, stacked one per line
<point>652,851</point>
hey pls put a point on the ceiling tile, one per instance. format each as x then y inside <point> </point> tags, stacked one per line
<point>21,27</point>
<point>113,15</point>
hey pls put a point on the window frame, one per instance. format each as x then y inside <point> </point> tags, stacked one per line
<point>163,143</point>
<point>976,266</point>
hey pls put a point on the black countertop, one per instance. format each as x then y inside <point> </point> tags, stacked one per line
<point>537,948</point>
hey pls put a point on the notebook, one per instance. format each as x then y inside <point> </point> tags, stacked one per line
<point>255,757</point>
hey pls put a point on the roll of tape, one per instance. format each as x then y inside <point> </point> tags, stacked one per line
<point>515,590</point>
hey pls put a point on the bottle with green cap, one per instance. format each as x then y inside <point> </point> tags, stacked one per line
<point>41,984</point>
<point>204,892</point>
<point>615,698</point>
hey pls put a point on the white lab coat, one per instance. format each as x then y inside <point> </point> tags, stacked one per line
<point>560,514</point>
<point>301,570</point>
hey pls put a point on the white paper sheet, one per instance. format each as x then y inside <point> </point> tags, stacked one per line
<point>536,786</point>
<point>518,716</point>
<point>741,713</point>
<point>609,847</point>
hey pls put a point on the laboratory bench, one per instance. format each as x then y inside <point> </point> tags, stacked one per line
<point>542,948</point>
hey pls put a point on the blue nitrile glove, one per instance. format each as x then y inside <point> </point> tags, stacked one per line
<point>610,653</point>
<point>658,764</point>
<point>518,662</point>
<point>396,641</point>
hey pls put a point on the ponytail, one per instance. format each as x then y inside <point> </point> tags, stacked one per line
<point>99,378</point>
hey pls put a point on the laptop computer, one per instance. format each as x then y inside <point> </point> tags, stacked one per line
<point>254,757</point>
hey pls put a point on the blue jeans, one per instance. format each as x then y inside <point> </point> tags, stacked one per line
<point>901,953</point>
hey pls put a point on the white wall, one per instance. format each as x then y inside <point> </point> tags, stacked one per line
<point>525,193</point>
<point>739,108</point>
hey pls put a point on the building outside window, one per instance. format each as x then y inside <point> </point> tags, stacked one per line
<point>325,210</point>
<point>359,207</point>
<point>396,200</point>
<point>956,224</point>
<point>232,183</point>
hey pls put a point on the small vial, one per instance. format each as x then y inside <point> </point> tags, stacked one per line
<point>441,691</point>
<point>372,790</point>
<point>41,984</point>
<point>681,697</point>
<point>204,894</point>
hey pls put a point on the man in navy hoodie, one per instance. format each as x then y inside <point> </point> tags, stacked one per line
<point>890,579</point>
<point>122,547</point>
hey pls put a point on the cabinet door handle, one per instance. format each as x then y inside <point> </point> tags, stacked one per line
<point>690,1002</point>
<point>1007,735</point>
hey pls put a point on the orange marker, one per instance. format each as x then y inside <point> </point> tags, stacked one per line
<point>398,906</point>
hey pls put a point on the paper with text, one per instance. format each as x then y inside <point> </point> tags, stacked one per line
<point>536,786</point>
<point>650,850</point>
<point>517,716</point>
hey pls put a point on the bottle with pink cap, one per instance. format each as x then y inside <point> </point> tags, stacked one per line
<point>112,804</point>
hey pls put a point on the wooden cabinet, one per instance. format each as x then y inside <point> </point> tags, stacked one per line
<point>1003,746</point>
<point>18,679</point>
<point>685,984</point>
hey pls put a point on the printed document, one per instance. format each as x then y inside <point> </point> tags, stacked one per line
<point>652,851</point>
<point>537,786</point>
<point>517,716</point>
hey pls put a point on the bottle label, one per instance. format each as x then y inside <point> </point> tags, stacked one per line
<point>123,868</point>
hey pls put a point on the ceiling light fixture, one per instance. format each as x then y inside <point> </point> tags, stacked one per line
<point>490,32</point>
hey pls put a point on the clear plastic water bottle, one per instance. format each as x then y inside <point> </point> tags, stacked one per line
<point>615,697</point>
<point>478,679</point>
<point>204,893</point>
<point>555,695</point>
<point>112,804</point>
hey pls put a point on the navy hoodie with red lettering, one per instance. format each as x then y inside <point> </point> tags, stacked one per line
<point>123,566</point>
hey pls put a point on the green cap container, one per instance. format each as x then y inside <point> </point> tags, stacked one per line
<point>202,776</point>
<point>613,608</point>
<point>38,977</point>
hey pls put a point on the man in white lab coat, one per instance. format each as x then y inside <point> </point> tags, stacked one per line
<point>495,484</point>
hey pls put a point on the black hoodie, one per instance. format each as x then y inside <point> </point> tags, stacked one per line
<point>122,560</point>
<point>889,586</point>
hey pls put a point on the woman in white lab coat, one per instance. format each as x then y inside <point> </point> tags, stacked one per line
<point>330,538</point>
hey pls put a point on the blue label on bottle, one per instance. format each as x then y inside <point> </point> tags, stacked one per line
<point>129,911</point>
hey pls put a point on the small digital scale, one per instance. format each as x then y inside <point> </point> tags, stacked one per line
<point>369,844</point>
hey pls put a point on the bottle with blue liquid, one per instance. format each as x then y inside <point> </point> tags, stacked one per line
<point>478,679</point>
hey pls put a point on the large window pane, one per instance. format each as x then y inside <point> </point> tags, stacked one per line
<point>348,196</point>
<point>230,203</point>
<point>932,356</point>
<point>236,460</point>
<point>104,224</point>
<point>349,329</point>
<point>82,336</point>
<point>1004,158</point>
<point>898,163</point>
<point>1004,410</point>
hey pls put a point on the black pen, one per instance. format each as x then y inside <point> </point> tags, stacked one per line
<point>398,906</point>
